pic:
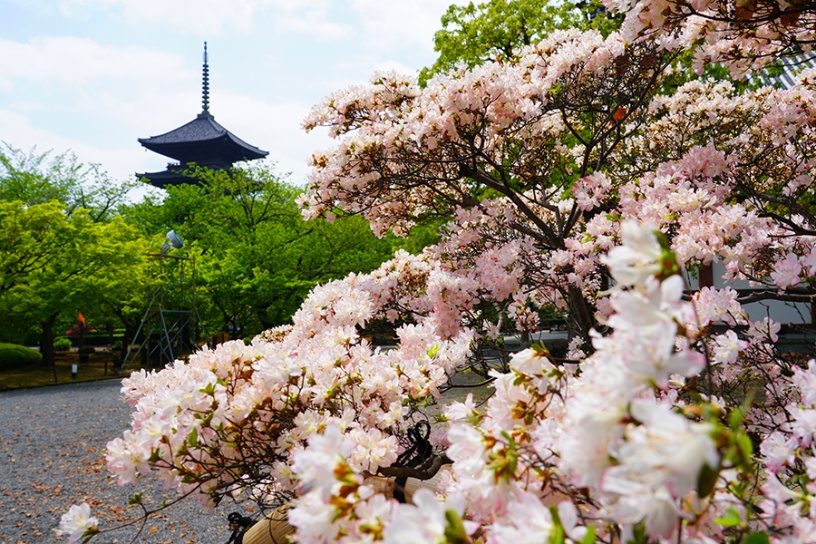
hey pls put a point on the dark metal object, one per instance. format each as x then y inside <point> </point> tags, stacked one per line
<point>239,525</point>
<point>417,454</point>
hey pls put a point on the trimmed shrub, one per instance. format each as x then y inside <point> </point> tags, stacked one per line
<point>14,356</point>
<point>62,344</point>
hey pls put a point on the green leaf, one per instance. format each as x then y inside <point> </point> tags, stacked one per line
<point>557,536</point>
<point>590,536</point>
<point>155,456</point>
<point>745,446</point>
<point>455,529</point>
<point>735,419</point>
<point>732,518</point>
<point>209,389</point>
<point>760,537</point>
<point>638,535</point>
<point>540,349</point>
<point>706,480</point>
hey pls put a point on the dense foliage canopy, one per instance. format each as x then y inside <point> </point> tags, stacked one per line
<point>256,258</point>
<point>497,30</point>
<point>73,243</point>
<point>53,265</point>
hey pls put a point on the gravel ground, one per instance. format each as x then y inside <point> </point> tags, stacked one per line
<point>51,456</point>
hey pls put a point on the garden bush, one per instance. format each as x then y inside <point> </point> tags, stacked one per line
<point>62,344</point>
<point>15,356</point>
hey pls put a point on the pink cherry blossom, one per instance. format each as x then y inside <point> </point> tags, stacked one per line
<point>786,272</point>
<point>574,184</point>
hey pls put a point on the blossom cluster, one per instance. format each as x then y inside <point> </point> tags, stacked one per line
<point>614,447</point>
<point>745,35</point>
<point>226,421</point>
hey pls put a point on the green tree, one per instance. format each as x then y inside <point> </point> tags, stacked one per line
<point>256,258</point>
<point>53,264</point>
<point>497,29</point>
<point>37,178</point>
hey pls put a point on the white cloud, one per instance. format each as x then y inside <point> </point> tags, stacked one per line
<point>70,60</point>
<point>215,17</point>
<point>196,17</point>
<point>27,136</point>
<point>314,24</point>
<point>397,26</point>
<point>118,162</point>
<point>274,127</point>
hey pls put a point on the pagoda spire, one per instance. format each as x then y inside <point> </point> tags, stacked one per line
<point>205,85</point>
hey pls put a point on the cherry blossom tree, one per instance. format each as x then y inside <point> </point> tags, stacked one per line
<point>745,34</point>
<point>572,178</point>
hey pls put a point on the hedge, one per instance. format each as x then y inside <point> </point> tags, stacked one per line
<point>15,356</point>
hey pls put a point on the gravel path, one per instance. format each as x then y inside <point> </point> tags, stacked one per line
<point>51,456</point>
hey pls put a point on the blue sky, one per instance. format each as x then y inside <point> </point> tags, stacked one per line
<point>92,76</point>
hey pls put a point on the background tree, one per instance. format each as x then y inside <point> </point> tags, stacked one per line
<point>256,257</point>
<point>496,30</point>
<point>54,265</point>
<point>37,178</point>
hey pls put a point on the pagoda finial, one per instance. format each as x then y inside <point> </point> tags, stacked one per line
<point>205,95</point>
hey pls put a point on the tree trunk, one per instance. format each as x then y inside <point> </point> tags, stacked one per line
<point>47,340</point>
<point>581,316</point>
<point>127,340</point>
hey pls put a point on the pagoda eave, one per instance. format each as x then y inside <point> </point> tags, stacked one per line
<point>223,146</point>
<point>166,177</point>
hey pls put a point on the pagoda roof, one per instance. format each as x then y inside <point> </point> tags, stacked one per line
<point>200,133</point>
<point>166,177</point>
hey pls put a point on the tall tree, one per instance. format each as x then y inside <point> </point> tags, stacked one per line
<point>52,264</point>
<point>256,258</point>
<point>497,30</point>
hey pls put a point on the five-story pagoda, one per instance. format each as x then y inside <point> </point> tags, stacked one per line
<point>202,141</point>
